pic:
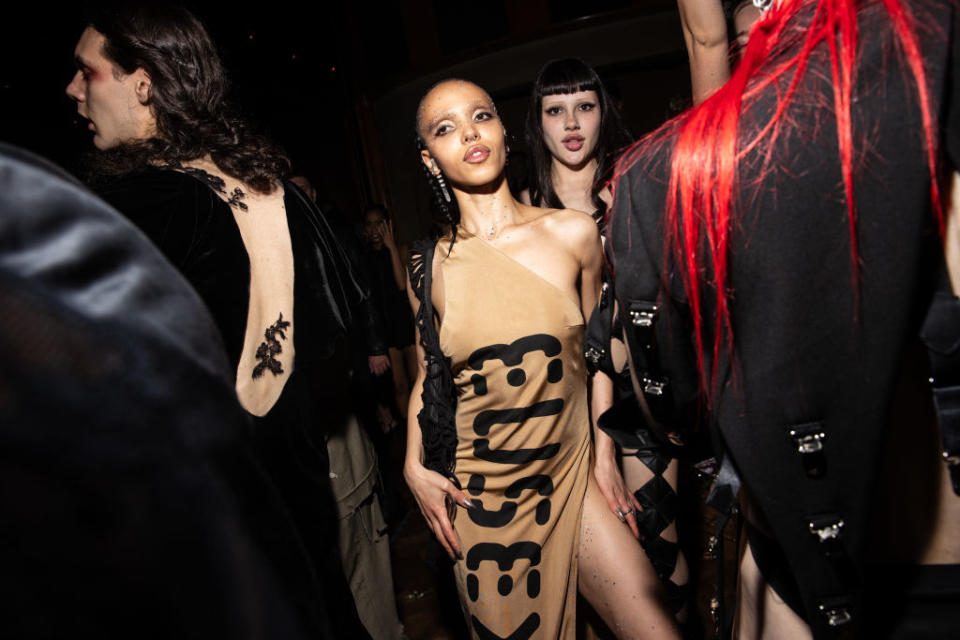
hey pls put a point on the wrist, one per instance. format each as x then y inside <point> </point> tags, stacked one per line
<point>605,457</point>
<point>412,466</point>
<point>604,445</point>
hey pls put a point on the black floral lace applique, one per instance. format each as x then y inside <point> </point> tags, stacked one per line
<point>267,351</point>
<point>217,184</point>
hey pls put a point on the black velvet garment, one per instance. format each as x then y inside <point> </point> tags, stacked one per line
<point>130,503</point>
<point>810,357</point>
<point>196,230</point>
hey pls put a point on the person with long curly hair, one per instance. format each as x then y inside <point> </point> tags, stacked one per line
<point>176,160</point>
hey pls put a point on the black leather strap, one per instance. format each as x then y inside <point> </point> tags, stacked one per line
<point>723,497</point>
<point>941,334</point>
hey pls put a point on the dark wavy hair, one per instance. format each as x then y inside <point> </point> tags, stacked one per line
<point>187,95</point>
<point>570,75</point>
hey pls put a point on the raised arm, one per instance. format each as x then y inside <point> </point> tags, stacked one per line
<point>705,34</point>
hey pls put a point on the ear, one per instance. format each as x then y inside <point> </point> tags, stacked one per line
<point>142,85</point>
<point>428,161</point>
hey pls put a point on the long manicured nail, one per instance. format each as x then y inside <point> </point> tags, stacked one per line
<point>469,504</point>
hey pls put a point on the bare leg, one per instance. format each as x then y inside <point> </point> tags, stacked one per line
<point>616,576</point>
<point>761,613</point>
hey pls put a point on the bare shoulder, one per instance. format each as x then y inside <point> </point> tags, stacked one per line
<point>571,229</point>
<point>573,226</point>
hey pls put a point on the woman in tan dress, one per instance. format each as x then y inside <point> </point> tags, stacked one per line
<point>505,347</point>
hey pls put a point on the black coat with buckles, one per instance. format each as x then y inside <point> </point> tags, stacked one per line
<point>802,406</point>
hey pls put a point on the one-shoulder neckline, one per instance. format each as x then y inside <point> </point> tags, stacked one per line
<point>560,292</point>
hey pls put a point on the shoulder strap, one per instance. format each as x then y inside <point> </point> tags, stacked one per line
<point>437,419</point>
<point>420,269</point>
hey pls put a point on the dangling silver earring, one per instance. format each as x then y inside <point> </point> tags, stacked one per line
<point>443,185</point>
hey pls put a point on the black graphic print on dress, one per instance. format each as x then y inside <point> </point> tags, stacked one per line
<point>267,351</point>
<point>512,355</point>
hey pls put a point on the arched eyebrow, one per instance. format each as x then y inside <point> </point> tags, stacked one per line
<point>451,115</point>
<point>81,63</point>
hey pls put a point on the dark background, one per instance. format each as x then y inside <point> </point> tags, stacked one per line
<point>336,84</point>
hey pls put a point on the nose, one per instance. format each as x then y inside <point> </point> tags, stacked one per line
<point>571,123</point>
<point>75,88</point>
<point>471,133</point>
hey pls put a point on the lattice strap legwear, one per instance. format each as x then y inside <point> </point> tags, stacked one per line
<point>659,502</point>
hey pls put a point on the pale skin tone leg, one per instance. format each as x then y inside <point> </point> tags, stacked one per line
<point>563,247</point>
<point>616,577</point>
<point>761,613</point>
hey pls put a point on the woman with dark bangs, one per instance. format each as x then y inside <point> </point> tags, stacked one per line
<point>775,255</point>
<point>499,418</point>
<point>574,131</point>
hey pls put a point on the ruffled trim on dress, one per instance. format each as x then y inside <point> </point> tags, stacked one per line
<point>437,419</point>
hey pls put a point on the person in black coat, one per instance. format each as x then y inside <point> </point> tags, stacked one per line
<point>775,253</point>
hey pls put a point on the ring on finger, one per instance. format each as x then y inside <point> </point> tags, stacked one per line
<point>621,515</point>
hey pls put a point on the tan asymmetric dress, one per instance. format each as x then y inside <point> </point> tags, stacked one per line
<point>515,345</point>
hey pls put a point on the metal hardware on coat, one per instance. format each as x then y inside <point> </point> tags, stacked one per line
<point>642,314</point>
<point>809,439</point>
<point>826,531</point>
<point>836,611</point>
<point>604,295</point>
<point>711,552</point>
<point>653,387</point>
<point>594,355</point>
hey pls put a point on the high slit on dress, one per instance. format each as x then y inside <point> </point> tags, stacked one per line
<point>515,346</point>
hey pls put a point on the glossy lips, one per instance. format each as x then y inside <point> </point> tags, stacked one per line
<point>476,154</point>
<point>573,142</point>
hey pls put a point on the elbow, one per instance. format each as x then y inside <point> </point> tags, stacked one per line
<point>709,39</point>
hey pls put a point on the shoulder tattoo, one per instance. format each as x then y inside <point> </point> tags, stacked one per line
<point>234,199</point>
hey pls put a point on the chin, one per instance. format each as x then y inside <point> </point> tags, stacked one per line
<point>482,175</point>
<point>103,144</point>
<point>575,159</point>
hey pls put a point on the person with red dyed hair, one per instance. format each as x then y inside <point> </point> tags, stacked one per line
<point>776,251</point>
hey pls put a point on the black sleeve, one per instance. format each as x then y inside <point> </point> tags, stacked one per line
<point>652,306</point>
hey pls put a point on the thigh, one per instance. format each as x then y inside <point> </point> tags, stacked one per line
<point>616,577</point>
<point>636,475</point>
<point>761,613</point>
